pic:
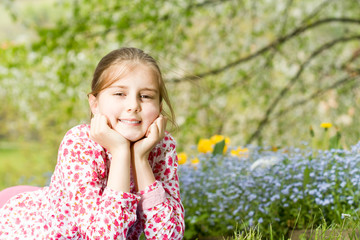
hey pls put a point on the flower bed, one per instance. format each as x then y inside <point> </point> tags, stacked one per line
<point>290,188</point>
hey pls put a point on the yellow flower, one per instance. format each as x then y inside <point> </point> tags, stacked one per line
<point>234,152</point>
<point>326,125</point>
<point>195,161</point>
<point>205,145</point>
<point>240,152</point>
<point>182,158</point>
<point>218,138</point>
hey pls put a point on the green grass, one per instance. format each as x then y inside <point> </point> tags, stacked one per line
<point>348,229</point>
<point>25,163</point>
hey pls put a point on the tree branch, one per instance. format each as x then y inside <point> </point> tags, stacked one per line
<point>285,16</point>
<point>283,91</point>
<point>207,2</point>
<point>273,44</point>
<point>317,94</point>
<point>316,11</point>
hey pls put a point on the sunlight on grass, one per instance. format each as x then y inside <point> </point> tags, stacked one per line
<point>25,163</point>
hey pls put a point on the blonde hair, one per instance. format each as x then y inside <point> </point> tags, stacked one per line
<point>128,57</point>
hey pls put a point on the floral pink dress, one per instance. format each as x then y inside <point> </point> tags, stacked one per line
<point>78,205</point>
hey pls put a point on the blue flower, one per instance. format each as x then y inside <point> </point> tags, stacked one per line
<point>228,188</point>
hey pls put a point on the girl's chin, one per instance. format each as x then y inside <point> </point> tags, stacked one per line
<point>133,137</point>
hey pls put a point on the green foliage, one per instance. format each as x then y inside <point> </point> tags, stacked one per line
<point>248,234</point>
<point>307,178</point>
<point>219,148</point>
<point>328,138</point>
<point>255,71</point>
<point>335,140</point>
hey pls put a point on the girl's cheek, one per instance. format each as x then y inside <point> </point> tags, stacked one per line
<point>153,112</point>
<point>155,115</point>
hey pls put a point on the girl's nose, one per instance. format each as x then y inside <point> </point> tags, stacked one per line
<point>134,104</point>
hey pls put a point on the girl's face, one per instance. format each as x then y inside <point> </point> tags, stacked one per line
<point>132,103</point>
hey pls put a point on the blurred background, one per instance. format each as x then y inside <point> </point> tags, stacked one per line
<point>260,72</point>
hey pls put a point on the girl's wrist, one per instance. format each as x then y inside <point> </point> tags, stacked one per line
<point>141,158</point>
<point>143,173</point>
<point>120,150</point>
<point>141,161</point>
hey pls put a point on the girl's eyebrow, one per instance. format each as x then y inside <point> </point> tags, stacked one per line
<point>150,89</point>
<point>142,89</point>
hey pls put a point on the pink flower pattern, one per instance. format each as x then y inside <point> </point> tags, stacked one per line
<point>78,205</point>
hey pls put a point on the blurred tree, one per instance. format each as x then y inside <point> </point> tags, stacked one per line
<point>257,71</point>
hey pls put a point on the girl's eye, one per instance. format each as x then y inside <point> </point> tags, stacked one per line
<point>119,94</point>
<point>145,96</point>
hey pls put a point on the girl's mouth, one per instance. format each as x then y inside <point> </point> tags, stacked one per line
<point>130,121</point>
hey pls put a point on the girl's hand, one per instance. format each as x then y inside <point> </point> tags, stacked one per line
<point>156,131</point>
<point>103,134</point>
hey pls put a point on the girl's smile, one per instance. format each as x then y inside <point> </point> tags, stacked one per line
<point>132,122</point>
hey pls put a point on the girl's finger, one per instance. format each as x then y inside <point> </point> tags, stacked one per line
<point>153,131</point>
<point>161,123</point>
<point>97,123</point>
<point>102,122</point>
<point>94,127</point>
<point>148,131</point>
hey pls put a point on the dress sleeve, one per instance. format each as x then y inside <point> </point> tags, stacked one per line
<point>160,210</point>
<point>98,212</point>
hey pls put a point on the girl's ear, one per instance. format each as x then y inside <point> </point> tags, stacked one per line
<point>93,103</point>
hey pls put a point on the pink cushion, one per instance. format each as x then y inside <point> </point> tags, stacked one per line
<point>8,193</point>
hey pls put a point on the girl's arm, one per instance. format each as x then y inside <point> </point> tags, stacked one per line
<point>161,210</point>
<point>119,147</point>
<point>140,150</point>
<point>162,220</point>
<point>94,209</point>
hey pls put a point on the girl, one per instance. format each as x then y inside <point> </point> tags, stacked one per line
<point>114,178</point>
